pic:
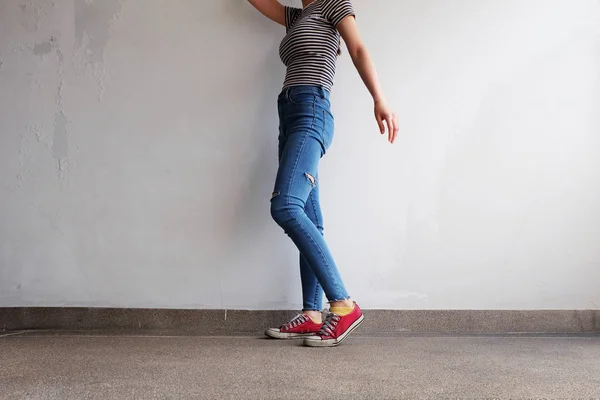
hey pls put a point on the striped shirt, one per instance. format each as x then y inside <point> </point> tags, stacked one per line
<point>309,48</point>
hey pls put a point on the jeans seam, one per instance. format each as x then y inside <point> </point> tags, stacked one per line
<point>287,204</point>
<point>318,224</point>
<point>316,293</point>
<point>315,244</point>
<point>314,204</point>
<point>305,233</point>
<point>324,133</point>
<point>289,186</point>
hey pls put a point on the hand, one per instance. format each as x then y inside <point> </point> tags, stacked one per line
<point>383,113</point>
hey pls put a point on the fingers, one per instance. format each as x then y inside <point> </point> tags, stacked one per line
<point>392,124</point>
<point>380,123</point>
<point>390,121</point>
<point>396,127</point>
<point>390,127</point>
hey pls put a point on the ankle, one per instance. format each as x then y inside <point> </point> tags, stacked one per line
<point>315,316</point>
<point>343,304</point>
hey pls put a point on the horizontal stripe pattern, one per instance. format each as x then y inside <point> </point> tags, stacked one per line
<point>309,48</point>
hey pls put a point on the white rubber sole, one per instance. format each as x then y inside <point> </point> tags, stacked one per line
<point>318,342</point>
<point>277,334</point>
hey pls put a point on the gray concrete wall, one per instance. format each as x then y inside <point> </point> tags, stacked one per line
<point>138,151</point>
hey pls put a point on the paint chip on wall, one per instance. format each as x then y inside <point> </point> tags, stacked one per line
<point>42,48</point>
<point>92,25</point>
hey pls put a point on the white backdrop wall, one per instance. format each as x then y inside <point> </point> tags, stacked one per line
<point>138,152</point>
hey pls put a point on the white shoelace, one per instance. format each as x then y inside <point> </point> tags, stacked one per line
<point>330,324</point>
<point>297,320</point>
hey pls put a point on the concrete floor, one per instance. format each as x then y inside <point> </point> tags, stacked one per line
<point>99,366</point>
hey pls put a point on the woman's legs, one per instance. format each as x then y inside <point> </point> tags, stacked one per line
<point>312,292</point>
<point>296,179</point>
<point>305,133</point>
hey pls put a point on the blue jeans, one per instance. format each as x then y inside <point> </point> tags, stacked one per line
<point>305,134</point>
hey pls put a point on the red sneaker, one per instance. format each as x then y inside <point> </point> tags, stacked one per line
<point>299,327</point>
<point>336,328</point>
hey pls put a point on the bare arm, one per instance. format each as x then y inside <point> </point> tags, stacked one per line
<point>366,69</point>
<point>271,9</point>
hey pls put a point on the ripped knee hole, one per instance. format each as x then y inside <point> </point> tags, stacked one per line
<point>311,179</point>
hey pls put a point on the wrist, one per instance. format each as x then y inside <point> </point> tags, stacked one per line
<point>378,100</point>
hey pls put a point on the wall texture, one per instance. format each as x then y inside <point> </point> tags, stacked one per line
<point>137,155</point>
